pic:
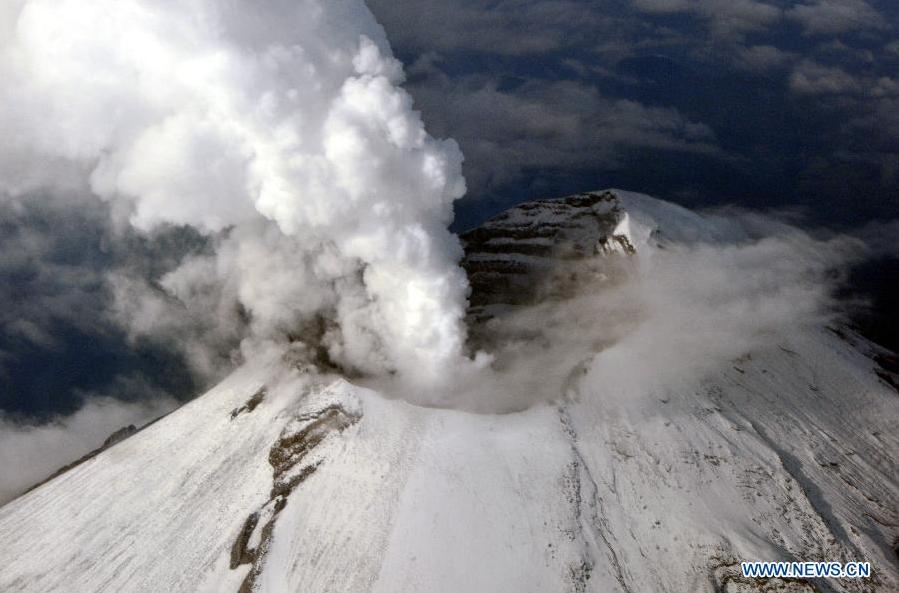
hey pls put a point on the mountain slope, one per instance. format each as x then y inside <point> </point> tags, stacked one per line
<point>283,478</point>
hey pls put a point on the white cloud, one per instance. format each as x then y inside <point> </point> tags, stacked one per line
<point>285,127</point>
<point>30,454</point>
<point>727,18</point>
<point>831,17</point>
<point>812,78</point>
<point>512,27</point>
<point>762,58</point>
<point>549,125</point>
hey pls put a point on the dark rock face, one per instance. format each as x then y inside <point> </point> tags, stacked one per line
<point>286,457</point>
<point>119,436</point>
<point>251,404</point>
<point>520,256</point>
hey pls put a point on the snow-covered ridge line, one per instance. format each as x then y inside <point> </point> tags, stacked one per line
<point>285,479</point>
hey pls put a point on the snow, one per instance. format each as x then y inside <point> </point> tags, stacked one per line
<point>680,225</point>
<point>787,452</point>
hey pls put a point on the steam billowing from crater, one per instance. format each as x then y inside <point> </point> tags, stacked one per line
<point>277,128</point>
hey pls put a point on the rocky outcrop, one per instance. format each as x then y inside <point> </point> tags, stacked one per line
<point>251,404</point>
<point>288,458</point>
<point>520,256</point>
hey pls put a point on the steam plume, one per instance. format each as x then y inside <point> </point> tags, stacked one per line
<point>277,127</point>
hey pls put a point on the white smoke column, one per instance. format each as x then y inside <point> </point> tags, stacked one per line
<point>280,122</point>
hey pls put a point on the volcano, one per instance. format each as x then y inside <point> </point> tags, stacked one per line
<point>289,476</point>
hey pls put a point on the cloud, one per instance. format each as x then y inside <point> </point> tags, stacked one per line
<point>686,56</point>
<point>40,282</point>
<point>832,17</point>
<point>224,175</point>
<point>59,339</point>
<point>881,238</point>
<point>547,125</point>
<point>721,286</point>
<point>876,121</point>
<point>866,132</point>
<point>762,58</point>
<point>886,86</point>
<point>540,27</point>
<point>705,304</point>
<point>662,6</point>
<point>513,27</point>
<point>812,78</point>
<point>31,453</point>
<point>202,240</point>
<point>283,130</point>
<point>727,18</point>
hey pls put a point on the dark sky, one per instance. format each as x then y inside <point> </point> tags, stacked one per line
<point>762,104</point>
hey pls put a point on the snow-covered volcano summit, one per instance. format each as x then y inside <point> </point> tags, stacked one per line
<point>284,478</point>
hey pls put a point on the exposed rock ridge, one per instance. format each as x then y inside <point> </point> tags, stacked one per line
<point>518,256</point>
<point>301,435</point>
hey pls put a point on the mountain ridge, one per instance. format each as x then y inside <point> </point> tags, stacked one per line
<point>286,478</point>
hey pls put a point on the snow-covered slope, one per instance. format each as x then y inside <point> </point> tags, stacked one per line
<point>283,479</point>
